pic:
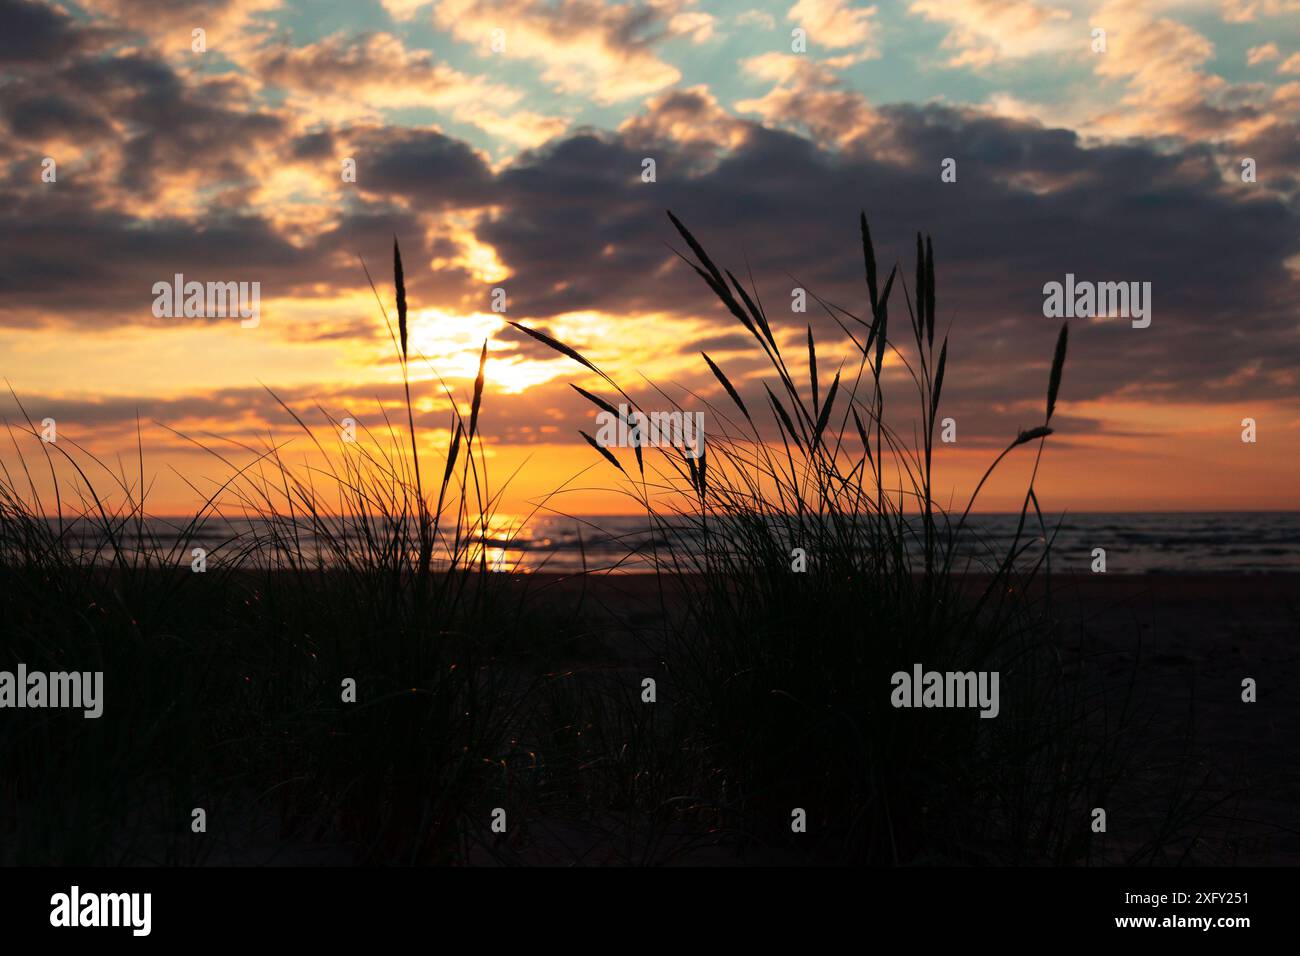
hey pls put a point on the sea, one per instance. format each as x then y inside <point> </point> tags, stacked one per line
<point>1134,543</point>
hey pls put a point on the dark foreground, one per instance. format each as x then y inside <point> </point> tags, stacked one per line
<point>532,702</point>
<point>1181,643</point>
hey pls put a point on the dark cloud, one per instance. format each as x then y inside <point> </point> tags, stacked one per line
<point>319,145</point>
<point>145,117</point>
<point>35,32</point>
<point>734,341</point>
<point>580,230</point>
<point>32,114</point>
<point>1031,204</point>
<point>424,166</point>
<point>65,257</point>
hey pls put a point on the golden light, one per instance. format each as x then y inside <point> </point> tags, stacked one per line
<point>449,345</point>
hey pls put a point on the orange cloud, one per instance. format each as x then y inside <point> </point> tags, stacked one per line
<point>584,47</point>
<point>984,32</point>
<point>836,24</point>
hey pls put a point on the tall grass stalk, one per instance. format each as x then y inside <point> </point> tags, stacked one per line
<point>789,673</point>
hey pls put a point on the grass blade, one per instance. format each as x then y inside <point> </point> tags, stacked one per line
<point>938,378</point>
<point>826,410</point>
<point>735,396</point>
<point>785,418</point>
<point>478,393</point>
<point>812,367</point>
<point>1042,431</point>
<point>604,451</point>
<point>929,292</point>
<point>399,280</point>
<point>1058,365</point>
<point>558,346</point>
<point>869,257</point>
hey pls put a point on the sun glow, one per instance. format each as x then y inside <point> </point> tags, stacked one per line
<point>446,345</point>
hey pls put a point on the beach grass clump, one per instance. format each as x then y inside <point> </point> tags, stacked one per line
<point>346,675</point>
<point>351,680</point>
<point>814,563</point>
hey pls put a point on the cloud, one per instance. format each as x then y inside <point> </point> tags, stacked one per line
<point>1159,58</point>
<point>694,24</point>
<point>145,138</point>
<point>36,32</point>
<point>169,23</point>
<point>1261,54</point>
<point>404,9</point>
<point>161,172</point>
<point>984,32</point>
<point>1168,91</point>
<point>836,24</point>
<point>584,46</point>
<point>424,166</point>
<point>1031,204</point>
<point>688,121</point>
<point>810,96</point>
<point>349,77</point>
<point>1291,65</point>
<point>368,71</point>
<point>1245,11</point>
<point>230,175</point>
<point>758,18</point>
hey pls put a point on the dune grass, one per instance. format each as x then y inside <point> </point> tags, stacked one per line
<point>476,690</point>
<point>819,565</point>
<point>225,689</point>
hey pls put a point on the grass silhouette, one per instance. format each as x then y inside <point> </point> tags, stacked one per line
<point>478,690</point>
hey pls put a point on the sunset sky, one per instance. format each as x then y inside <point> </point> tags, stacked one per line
<point>520,168</point>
